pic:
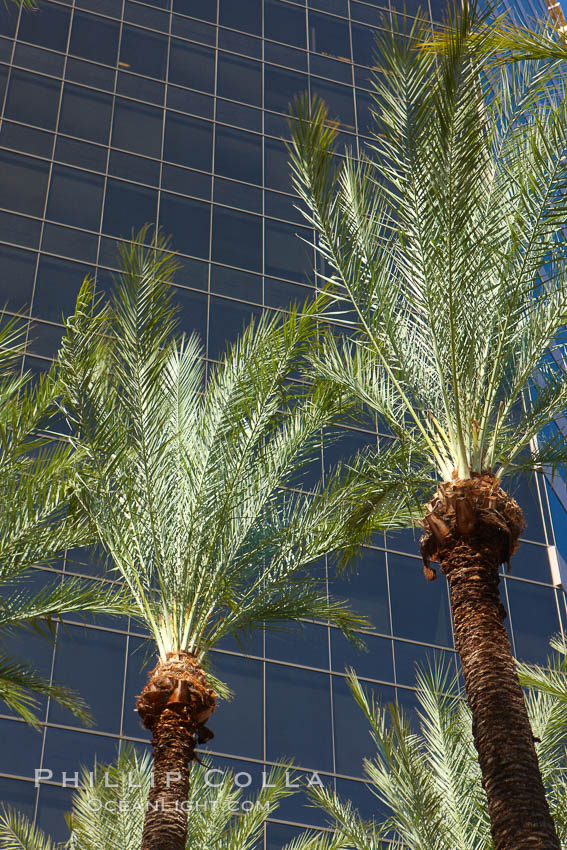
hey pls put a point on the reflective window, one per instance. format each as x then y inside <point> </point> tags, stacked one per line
<point>329,35</point>
<point>276,165</point>
<point>339,100</point>
<point>193,30</point>
<point>48,26</point>
<point>133,167</point>
<point>245,15</point>
<point>352,734</point>
<point>188,141</point>
<point>236,284</point>
<point>70,243</point>
<point>300,643</point>
<point>127,208</point>
<point>137,128</point>
<point>286,256</point>
<point>420,609</point>
<point>526,494</point>
<point>203,9</point>
<point>81,154</point>
<point>21,748</point>
<point>298,716</point>
<point>33,99</point>
<point>23,182</point>
<point>237,239</point>
<point>54,802</point>
<point>143,52</point>
<point>94,38</point>
<point>226,321</point>
<point>281,86</point>
<point>534,619</point>
<point>376,662</point>
<point>186,181</point>
<point>85,113</point>
<point>69,184</point>
<point>17,270</point>
<point>336,7</point>
<point>8,20</point>
<point>191,66</point>
<point>363,41</point>
<point>98,678</point>
<point>27,139</point>
<point>243,712</point>
<point>238,155</point>
<point>57,286</point>
<point>411,655</point>
<point>365,585</point>
<point>19,230</point>
<point>192,310</point>
<point>187,221</point>
<point>284,22</point>
<point>239,79</point>
<point>237,42</point>
<point>20,795</point>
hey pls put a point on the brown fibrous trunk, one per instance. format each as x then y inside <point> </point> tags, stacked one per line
<point>174,705</point>
<point>472,526</point>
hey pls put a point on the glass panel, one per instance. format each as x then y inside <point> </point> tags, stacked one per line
<point>352,735</point>
<point>298,716</point>
<point>85,113</point>
<point>238,155</point>
<point>33,99</point>
<point>245,15</point>
<point>94,38</point>
<point>236,284</point>
<point>192,311</point>
<point>281,86</point>
<point>48,26</point>
<point>339,100</point>
<point>81,154</point>
<point>38,59</point>
<point>238,724</point>
<point>239,79</point>
<point>227,320</point>
<point>203,9</point>
<point>236,42</point>
<point>23,182</point>
<point>143,52</point>
<point>26,139</point>
<point>191,66</point>
<point>534,619</point>
<point>284,22</point>
<point>19,230</point>
<point>237,239</point>
<point>300,643</point>
<point>70,243</point>
<point>67,186</point>
<point>363,41</point>
<point>20,795</point>
<point>526,494</point>
<point>98,678</point>
<point>276,165</point>
<point>127,208</point>
<point>365,585</point>
<point>137,128</point>
<point>411,655</point>
<point>21,748</point>
<point>193,30</point>
<point>239,195</point>
<point>187,221</point>
<point>17,268</point>
<point>133,167</point>
<point>188,141</point>
<point>286,255</point>
<point>329,35</point>
<point>420,609</point>
<point>375,662</point>
<point>57,286</point>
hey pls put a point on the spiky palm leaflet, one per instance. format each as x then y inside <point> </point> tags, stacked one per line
<point>37,525</point>
<point>447,240</point>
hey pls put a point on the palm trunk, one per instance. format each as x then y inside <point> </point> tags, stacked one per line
<point>472,528</point>
<point>174,705</point>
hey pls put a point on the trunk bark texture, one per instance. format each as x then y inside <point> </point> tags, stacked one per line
<point>471,528</point>
<point>174,705</point>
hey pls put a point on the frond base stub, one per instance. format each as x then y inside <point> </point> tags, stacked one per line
<point>178,685</point>
<point>468,509</point>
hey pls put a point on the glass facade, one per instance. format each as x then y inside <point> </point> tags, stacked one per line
<point>116,113</point>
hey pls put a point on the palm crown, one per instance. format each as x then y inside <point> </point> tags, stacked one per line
<point>447,239</point>
<point>186,477</point>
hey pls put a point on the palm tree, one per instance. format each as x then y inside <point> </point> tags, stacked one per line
<point>37,473</point>
<point>186,491</point>
<point>108,810</point>
<point>446,240</point>
<point>429,779</point>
